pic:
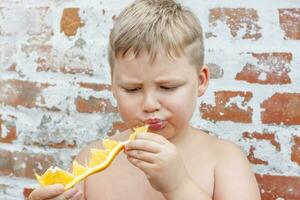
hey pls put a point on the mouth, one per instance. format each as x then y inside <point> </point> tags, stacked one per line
<point>155,124</point>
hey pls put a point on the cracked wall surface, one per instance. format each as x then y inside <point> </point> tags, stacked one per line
<point>55,93</point>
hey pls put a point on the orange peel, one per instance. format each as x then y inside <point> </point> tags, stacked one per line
<point>98,161</point>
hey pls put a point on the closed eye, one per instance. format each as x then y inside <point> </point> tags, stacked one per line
<point>131,90</point>
<point>168,87</point>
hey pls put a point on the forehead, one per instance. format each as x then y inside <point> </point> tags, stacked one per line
<point>142,64</point>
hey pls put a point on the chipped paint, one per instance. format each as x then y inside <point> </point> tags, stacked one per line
<point>34,48</point>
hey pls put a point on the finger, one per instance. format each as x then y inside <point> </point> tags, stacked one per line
<point>142,155</point>
<point>70,193</point>
<point>144,166</point>
<point>77,196</point>
<point>144,145</point>
<point>151,136</point>
<point>50,191</point>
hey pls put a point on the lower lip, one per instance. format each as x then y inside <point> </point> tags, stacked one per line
<point>156,126</point>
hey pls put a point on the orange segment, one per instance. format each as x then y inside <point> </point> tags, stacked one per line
<point>46,178</point>
<point>55,175</point>
<point>109,144</point>
<point>78,169</point>
<point>138,130</point>
<point>61,176</point>
<point>97,157</point>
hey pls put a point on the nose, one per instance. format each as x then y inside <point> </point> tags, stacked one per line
<point>151,103</point>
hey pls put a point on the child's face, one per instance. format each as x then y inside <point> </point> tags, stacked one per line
<point>161,94</point>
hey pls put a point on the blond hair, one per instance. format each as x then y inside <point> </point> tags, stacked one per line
<point>154,25</point>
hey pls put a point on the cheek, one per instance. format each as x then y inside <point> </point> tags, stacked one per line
<point>183,110</point>
<point>126,108</point>
<point>183,106</point>
<point>185,103</point>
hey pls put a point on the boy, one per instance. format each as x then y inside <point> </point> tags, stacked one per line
<point>156,58</point>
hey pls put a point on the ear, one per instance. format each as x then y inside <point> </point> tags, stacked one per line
<point>113,84</point>
<point>203,79</point>
<point>113,88</point>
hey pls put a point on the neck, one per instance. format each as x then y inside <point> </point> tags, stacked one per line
<point>182,136</point>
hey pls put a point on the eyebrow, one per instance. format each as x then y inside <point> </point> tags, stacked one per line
<point>129,81</point>
<point>159,81</point>
<point>167,80</point>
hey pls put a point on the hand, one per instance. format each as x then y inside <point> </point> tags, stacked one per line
<point>159,159</point>
<point>55,192</point>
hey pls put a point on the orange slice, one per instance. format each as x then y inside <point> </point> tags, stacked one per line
<point>99,160</point>
<point>97,157</point>
<point>78,169</point>
<point>109,144</point>
<point>55,175</point>
<point>138,130</point>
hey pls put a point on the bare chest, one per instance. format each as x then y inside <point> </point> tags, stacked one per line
<point>128,182</point>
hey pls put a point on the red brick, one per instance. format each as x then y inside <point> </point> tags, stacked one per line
<point>260,136</point>
<point>12,67</point>
<point>23,164</point>
<point>282,108</point>
<point>252,159</point>
<point>29,49</point>
<point>20,93</point>
<point>96,87</point>
<point>23,93</point>
<point>225,110</point>
<point>289,19</point>
<point>238,20</point>
<point>263,136</point>
<point>10,126</point>
<point>72,62</point>
<point>73,69</point>
<point>70,21</point>
<point>277,65</point>
<point>117,126</point>
<point>279,187</point>
<point>45,58</point>
<point>60,145</point>
<point>94,105</point>
<point>26,192</point>
<point>295,156</point>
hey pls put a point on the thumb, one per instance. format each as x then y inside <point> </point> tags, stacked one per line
<point>47,192</point>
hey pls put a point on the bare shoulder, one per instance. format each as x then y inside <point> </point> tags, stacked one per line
<point>227,149</point>
<point>233,174</point>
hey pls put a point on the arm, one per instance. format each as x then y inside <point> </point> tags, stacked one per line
<point>162,164</point>
<point>234,179</point>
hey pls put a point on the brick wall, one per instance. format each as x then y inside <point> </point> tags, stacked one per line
<point>55,87</point>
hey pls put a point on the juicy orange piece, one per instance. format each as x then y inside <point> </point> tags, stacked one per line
<point>97,157</point>
<point>55,175</point>
<point>109,144</point>
<point>99,160</point>
<point>138,130</point>
<point>46,178</point>
<point>78,169</point>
